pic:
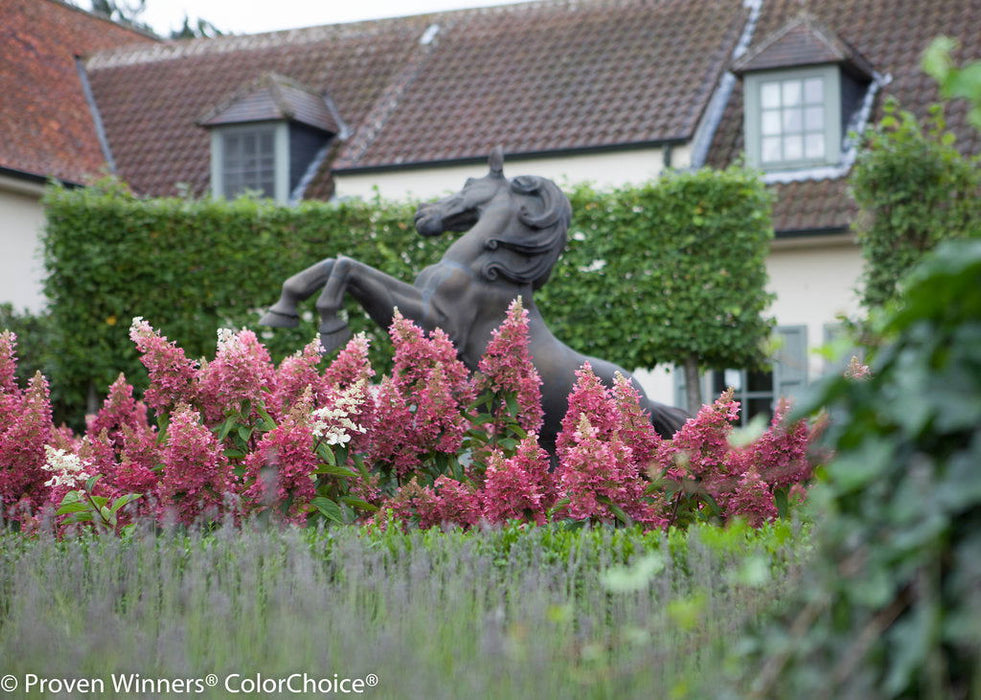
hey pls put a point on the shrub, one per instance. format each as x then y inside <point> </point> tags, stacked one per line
<point>429,445</point>
<point>892,606</point>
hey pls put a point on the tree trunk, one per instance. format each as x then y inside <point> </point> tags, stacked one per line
<point>693,385</point>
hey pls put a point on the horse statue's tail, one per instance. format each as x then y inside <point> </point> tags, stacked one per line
<point>667,420</point>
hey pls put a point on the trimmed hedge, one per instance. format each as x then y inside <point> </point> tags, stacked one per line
<point>651,274</point>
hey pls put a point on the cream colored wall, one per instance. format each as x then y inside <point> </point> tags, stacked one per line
<point>21,224</point>
<point>604,170</point>
<point>815,280</point>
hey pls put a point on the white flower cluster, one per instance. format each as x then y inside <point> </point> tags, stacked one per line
<point>67,469</point>
<point>228,339</point>
<point>333,423</point>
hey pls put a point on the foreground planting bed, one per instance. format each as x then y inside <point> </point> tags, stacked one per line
<point>504,612</point>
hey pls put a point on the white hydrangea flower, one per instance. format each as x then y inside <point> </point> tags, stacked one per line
<point>333,423</point>
<point>68,469</point>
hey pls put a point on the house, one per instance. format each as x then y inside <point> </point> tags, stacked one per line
<point>609,91</point>
<point>48,129</point>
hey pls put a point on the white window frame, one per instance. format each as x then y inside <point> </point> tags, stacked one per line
<point>832,120</point>
<point>280,131</point>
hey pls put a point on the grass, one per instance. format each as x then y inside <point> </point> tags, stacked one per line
<point>504,613</point>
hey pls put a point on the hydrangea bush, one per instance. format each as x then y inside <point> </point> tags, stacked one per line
<point>428,444</point>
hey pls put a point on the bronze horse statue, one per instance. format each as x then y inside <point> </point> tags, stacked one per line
<point>516,230</point>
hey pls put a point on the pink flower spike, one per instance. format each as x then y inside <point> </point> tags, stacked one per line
<point>507,368</point>
<point>172,375</point>
<point>241,373</point>
<point>196,474</point>
<point>22,451</point>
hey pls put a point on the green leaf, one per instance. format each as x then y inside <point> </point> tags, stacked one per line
<point>123,500</point>
<point>328,508</point>
<point>74,507</point>
<point>335,470</point>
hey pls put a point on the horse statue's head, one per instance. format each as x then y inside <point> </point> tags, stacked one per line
<point>521,222</point>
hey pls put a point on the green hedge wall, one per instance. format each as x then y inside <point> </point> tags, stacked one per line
<point>651,274</point>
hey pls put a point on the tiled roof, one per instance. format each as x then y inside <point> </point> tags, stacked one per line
<point>545,77</point>
<point>891,36</point>
<point>152,99</point>
<point>47,127</point>
<point>553,75</point>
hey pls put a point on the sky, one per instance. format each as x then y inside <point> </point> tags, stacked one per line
<point>254,16</point>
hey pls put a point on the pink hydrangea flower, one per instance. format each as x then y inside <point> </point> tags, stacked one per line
<point>518,488</point>
<point>590,398</point>
<point>23,437</point>
<point>421,407</point>
<point>781,453</point>
<point>172,375</point>
<point>281,468</point>
<point>296,374</point>
<point>10,392</point>
<point>241,374</point>
<point>351,365</point>
<point>457,502</point>
<point>507,369</point>
<point>196,474</point>
<point>120,409</point>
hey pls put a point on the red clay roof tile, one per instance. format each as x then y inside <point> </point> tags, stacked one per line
<point>45,120</point>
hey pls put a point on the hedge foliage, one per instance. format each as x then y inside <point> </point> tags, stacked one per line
<point>658,273</point>
<point>915,190</point>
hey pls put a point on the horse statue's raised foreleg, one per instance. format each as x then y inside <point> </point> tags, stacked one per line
<point>301,286</point>
<point>378,294</point>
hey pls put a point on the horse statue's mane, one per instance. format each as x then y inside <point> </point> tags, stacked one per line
<point>527,253</point>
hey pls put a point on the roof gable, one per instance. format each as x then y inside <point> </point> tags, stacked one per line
<point>804,41</point>
<point>47,126</point>
<point>274,98</point>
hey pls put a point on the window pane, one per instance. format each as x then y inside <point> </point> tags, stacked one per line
<point>814,119</point>
<point>793,147</point>
<point>760,381</point>
<point>770,149</point>
<point>814,146</point>
<point>791,93</point>
<point>757,407</point>
<point>793,121</point>
<point>770,95</point>
<point>771,122</point>
<point>249,162</point>
<point>814,91</point>
<point>733,378</point>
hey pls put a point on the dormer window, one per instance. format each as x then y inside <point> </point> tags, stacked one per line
<point>793,118</point>
<point>802,85</point>
<point>246,160</point>
<point>269,138</point>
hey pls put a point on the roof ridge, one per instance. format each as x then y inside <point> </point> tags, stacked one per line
<point>180,48</point>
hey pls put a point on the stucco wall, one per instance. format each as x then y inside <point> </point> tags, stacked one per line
<point>602,169</point>
<point>21,224</point>
<point>815,281</point>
